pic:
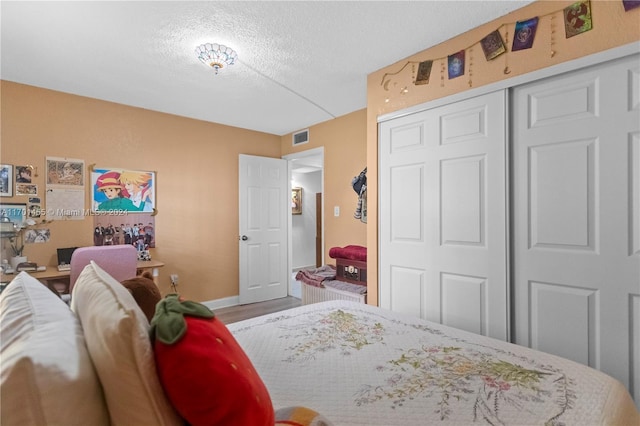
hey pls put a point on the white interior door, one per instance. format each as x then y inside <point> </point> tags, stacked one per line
<point>265,207</point>
<point>443,244</point>
<point>577,217</point>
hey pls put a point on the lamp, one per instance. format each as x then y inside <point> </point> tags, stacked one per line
<point>216,55</point>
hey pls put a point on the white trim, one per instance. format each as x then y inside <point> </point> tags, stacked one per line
<point>583,62</point>
<point>294,156</point>
<point>222,303</point>
<point>302,154</point>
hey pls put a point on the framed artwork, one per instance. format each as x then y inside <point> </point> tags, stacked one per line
<point>65,172</point>
<point>296,200</point>
<point>23,174</point>
<point>15,212</point>
<point>26,189</point>
<point>6,180</point>
<point>117,190</point>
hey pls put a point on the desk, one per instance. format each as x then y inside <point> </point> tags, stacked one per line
<point>52,273</point>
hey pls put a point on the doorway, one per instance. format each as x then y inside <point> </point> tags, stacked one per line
<point>306,225</point>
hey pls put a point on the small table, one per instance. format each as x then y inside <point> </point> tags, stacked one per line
<point>51,274</point>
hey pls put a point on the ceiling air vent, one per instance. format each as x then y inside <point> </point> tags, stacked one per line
<point>301,137</point>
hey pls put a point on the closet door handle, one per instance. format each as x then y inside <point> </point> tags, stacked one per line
<point>244,238</point>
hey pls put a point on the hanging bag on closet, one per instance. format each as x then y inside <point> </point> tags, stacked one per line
<point>359,181</point>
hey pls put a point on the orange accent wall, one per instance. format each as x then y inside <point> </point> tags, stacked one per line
<point>345,155</point>
<point>197,177</point>
<point>612,27</point>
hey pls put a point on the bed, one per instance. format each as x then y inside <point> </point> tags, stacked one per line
<point>361,365</point>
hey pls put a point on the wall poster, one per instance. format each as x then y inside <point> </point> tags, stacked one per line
<point>124,208</point>
<point>119,190</point>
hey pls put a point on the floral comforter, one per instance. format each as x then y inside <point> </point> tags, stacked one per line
<point>362,365</point>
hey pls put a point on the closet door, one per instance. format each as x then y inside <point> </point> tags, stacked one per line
<point>577,217</point>
<point>443,226</point>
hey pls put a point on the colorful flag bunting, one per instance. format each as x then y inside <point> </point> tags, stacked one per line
<point>524,34</point>
<point>424,72</point>
<point>577,18</point>
<point>492,45</point>
<point>456,64</point>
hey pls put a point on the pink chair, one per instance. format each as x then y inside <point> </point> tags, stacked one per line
<point>119,261</point>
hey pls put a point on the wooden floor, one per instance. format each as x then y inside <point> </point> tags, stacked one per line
<point>241,312</point>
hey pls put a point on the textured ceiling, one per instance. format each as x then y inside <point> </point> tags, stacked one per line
<point>300,63</point>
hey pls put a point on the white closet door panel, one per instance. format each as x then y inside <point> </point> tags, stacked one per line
<point>563,321</point>
<point>407,290</point>
<point>450,162</point>
<point>403,214</point>
<point>468,190</point>
<point>634,194</point>
<point>464,125</point>
<point>576,215</point>
<point>407,203</point>
<point>563,195</point>
<point>462,192</point>
<point>464,302</point>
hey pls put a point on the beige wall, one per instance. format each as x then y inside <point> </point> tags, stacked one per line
<point>196,164</point>
<point>197,175</point>
<point>345,155</point>
<point>612,27</point>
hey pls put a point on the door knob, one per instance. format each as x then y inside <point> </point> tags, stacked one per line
<point>244,238</point>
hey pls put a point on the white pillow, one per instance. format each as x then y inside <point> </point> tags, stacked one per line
<point>117,334</point>
<point>46,374</point>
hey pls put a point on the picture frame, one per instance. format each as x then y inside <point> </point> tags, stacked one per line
<point>65,172</point>
<point>296,200</point>
<point>6,180</point>
<point>136,190</point>
<point>15,212</point>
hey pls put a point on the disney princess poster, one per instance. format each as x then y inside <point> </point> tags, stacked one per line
<point>116,190</point>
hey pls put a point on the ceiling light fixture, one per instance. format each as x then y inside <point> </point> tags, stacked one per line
<point>216,55</point>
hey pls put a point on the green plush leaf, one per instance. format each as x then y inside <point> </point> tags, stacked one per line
<point>168,325</point>
<point>169,328</point>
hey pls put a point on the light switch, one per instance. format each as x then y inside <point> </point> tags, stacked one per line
<point>336,211</point>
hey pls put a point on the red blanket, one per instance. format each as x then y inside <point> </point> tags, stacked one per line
<point>349,252</point>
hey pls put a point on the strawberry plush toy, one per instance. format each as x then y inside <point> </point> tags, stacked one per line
<point>205,373</point>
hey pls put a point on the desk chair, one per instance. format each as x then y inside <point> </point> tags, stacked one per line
<point>119,261</point>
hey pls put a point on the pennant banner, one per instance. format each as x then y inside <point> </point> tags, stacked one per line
<point>492,45</point>
<point>524,34</point>
<point>456,64</point>
<point>577,18</point>
<point>424,72</point>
